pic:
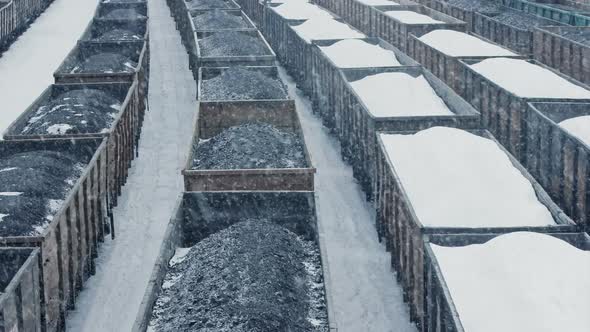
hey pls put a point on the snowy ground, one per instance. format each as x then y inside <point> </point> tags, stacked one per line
<point>26,69</point>
<point>111,299</point>
<point>365,294</point>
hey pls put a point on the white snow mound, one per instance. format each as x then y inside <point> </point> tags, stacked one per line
<point>410,17</point>
<point>460,44</point>
<point>324,28</point>
<point>518,282</point>
<point>356,53</point>
<point>528,80</point>
<point>578,127</point>
<point>399,94</point>
<point>454,178</point>
<point>301,11</point>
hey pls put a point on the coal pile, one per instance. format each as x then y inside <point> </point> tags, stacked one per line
<point>74,112</point>
<point>253,276</point>
<point>123,14</point>
<point>105,63</point>
<point>219,19</point>
<point>11,260</point>
<point>521,20</point>
<point>239,83</point>
<point>33,186</point>
<point>232,43</point>
<point>250,146</point>
<point>209,4</point>
<point>118,34</point>
<point>580,36</point>
<point>565,7</point>
<point>478,6</point>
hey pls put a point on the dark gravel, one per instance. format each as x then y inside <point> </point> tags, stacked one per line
<point>250,146</point>
<point>219,19</point>
<point>50,162</point>
<point>74,112</point>
<point>32,187</point>
<point>119,34</point>
<point>209,4</point>
<point>11,260</point>
<point>124,14</point>
<point>521,20</point>
<point>232,43</point>
<point>254,276</point>
<point>479,6</point>
<point>238,83</point>
<point>23,215</point>
<point>580,36</point>
<point>566,7</point>
<point>105,63</point>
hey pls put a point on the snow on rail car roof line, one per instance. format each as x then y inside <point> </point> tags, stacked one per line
<point>322,28</point>
<point>461,44</point>
<point>528,80</point>
<point>356,53</point>
<point>454,178</point>
<point>411,96</point>
<point>410,17</point>
<point>522,281</point>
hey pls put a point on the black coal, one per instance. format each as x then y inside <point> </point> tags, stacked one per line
<point>124,14</point>
<point>32,187</point>
<point>209,4</point>
<point>11,260</point>
<point>74,112</point>
<point>521,20</point>
<point>105,63</point>
<point>219,19</point>
<point>239,83</point>
<point>254,276</point>
<point>578,35</point>
<point>50,162</point>
<point>22,215</point>
<point>119,34</point>
<point>232,43</point>
<point>479,6</point>
<point>250,146</point>
<point>566,7</point>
